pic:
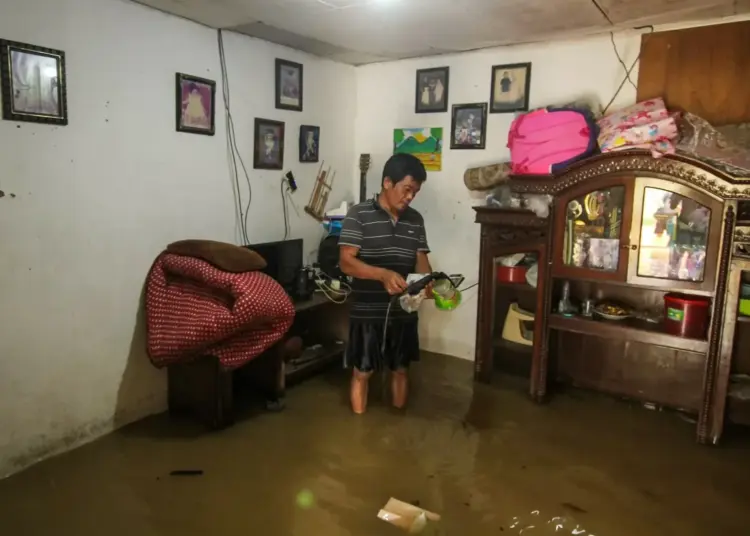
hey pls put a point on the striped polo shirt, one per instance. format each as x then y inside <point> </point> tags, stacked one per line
<point>385,243</point>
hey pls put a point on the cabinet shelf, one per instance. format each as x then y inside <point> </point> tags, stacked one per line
<point>510,346</point>
<point>313,360</point>
<point>631,330</point>
<point>665,289</point>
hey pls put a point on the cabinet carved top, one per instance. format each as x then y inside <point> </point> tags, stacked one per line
<point>677,168</point>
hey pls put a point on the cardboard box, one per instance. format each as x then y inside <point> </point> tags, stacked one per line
<point>406,516</point>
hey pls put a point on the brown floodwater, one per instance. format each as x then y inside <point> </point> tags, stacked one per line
<point>485,458</point>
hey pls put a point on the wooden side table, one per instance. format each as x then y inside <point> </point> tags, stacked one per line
<point>206,391</point>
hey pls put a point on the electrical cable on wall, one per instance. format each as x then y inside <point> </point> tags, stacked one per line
<point>624,66</point>
<point>283,207</point>
<point>233,152</point>
<point>289,181</point>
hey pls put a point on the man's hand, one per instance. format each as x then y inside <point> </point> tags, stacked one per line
<point>393,282</point>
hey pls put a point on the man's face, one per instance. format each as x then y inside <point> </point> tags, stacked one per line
<point>401,194</point>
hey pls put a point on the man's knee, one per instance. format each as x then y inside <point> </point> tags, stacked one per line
<point>400,373</point>
<point>360,375</point>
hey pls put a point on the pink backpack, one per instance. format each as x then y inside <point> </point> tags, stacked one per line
<point>548,140</point>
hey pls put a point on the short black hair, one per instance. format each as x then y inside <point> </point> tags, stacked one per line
<point>402,165</point>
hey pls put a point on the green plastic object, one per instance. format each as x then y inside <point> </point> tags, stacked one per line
<point>447,303</point>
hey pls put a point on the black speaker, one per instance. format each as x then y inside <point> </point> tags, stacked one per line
<point>328,257</point>
<point>305,284</point>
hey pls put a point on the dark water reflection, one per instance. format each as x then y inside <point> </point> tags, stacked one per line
<point>485,458</point>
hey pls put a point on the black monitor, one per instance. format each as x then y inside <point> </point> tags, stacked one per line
<point>283,261</point>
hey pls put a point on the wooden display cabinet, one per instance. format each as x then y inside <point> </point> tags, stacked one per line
<point>622,227</point>
<point>504,233</point>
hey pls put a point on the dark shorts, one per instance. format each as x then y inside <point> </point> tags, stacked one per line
<point>365,348</point>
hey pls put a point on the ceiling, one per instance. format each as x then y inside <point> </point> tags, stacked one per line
<point>367,31</point>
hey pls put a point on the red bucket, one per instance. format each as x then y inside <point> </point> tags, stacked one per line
<point>686,316</point>
<point>511,274</point>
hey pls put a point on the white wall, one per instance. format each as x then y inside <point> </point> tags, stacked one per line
<point>97,200</point>
<point>561,71</point>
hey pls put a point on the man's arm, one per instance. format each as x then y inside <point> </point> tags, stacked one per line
<point>423,263</point>
<point>353,267</point>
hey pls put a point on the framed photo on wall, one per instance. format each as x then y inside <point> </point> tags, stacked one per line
<point>432,90</point>
<point>33,83</point>
<point>510,88</point>
<point>289,86</point>
<point>309,143</point>
<point>468,126</point>
<point>195,104</point>
<point>269,144</point>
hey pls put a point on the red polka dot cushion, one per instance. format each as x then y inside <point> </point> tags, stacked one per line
<point>195,309</point>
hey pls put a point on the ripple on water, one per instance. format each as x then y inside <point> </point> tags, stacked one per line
<point>535,524</point>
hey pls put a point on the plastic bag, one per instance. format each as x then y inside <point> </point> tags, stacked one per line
<point>724,148</point>
<point>539,204</point>
<point>512,260</point>
<point>409,303</point>
<point>532,274</point>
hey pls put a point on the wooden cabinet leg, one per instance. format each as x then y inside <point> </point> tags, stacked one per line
<point>202,389</point>
<point>265,376</point>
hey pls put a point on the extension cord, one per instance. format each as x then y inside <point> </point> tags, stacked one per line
<point>335,290</point>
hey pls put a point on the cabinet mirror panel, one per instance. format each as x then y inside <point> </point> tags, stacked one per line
<point>673,236</point>
<point>592,230</point>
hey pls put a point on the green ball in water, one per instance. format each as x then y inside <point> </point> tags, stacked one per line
<point>305,499</point>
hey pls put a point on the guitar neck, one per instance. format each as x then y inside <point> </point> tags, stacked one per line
<point>364,165</point>
<point>362,186</point>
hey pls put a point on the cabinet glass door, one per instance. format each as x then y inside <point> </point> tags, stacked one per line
<point>674,233</point>
<point>593,225</point>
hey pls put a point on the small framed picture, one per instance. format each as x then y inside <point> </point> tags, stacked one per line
<point>289,86</point>
<point>269,144</point>
<point>432,90</point>
<point>468,126</point>
<point>33,83</point>
<point>309,143</point>
<point>510,88</point>
<point>195,105</point>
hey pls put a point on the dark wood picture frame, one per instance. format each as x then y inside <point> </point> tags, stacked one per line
<point>179,79</point>
<point>420,108</point>
<point>258,161</point>
<point>303,130</point>
<point>481,107</point>
<point>280,64</point>
<point>6,79</point>
<point>523,103</point>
